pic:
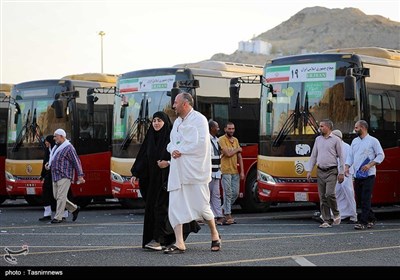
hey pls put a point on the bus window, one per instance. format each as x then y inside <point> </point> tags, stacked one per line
<point>382,112</point>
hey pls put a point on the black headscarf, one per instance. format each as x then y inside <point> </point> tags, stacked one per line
<point>50,139</point>
<point>45,172</point>
<point>158,140</point>
<point>153,147</point>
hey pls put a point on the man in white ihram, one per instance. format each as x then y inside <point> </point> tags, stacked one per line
<point>344,191</point>
<point>63,160</point>
<point>190,173</point>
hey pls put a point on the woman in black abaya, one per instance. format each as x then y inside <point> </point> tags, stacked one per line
<point>152,168</point>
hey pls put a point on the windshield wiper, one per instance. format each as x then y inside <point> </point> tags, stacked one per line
<point>139,128</point>
<point>36,131</point>
<point>308,118</point>
<point>24,130</point>
<point>292,123</point>
<point>297,121</point>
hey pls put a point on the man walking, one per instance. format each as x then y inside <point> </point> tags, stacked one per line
<point>190,173</point>
<point>325,153</point>
<point>345,191</point>
<point>366,152</point>
<point>215,195</point>
<point>63,160</point>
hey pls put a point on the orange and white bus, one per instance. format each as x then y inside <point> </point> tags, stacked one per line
<point>5,90</point>
<point>343,85</point>
<point>80,104</point>
<point>141,93</point>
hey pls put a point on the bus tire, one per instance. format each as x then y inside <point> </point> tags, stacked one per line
<point>3,198</point>
<point>251,202</point>
<point>131,203</point>
<point>34,200</point>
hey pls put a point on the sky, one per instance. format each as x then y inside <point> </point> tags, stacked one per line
<point>50,39</point>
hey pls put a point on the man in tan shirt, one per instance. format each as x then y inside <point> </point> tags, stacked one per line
<point>231,157</point>
<point>327,149</point>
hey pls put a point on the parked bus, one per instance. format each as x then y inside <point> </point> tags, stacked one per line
<point>80,104</point>
<point>344,85</point>
<point>141,93</point>
<point>5,90</point>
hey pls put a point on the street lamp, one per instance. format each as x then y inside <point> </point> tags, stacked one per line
<point>101,33</point>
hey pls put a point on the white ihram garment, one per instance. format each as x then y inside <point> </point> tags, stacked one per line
<point>345,192</point>
<point>189,175</point>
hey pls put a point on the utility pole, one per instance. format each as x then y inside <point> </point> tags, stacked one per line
<point>101,33</point>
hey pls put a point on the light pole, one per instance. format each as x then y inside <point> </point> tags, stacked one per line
<point>101,33</point>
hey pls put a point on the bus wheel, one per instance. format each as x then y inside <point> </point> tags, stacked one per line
<point>251,202</point>
<point>132,203</point>
<point>3,198</point>
<point>34,200</point>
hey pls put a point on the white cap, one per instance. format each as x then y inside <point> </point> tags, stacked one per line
<point>60,132</point>
<point>338,133</point>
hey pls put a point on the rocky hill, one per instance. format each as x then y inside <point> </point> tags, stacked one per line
<point>317,29</point>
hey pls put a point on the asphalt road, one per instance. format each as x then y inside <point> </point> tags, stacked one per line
<point>107,238</point>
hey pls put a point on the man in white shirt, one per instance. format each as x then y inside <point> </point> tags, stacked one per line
<point>365,153</point>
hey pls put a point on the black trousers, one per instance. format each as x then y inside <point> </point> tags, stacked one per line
<point>363,190</point>
<point>47,193</point>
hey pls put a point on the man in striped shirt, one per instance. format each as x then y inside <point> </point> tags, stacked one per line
<point>62,163</point>
<point>214,185</point>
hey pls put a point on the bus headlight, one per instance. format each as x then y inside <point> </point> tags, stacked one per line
<point>265,178</point>
<point>116,177</point>
<point>9,177</point>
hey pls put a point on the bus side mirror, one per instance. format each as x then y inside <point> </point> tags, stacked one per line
<point>349,85</point>
<point>196,83</point>
<point>91,99</point>
<point>124,104</point>
<point>270,106</point>
<point>58,108</point>
<point>17,112</point>
<point>122,112</point>
<point>174,92</point>
<point>234,89</point>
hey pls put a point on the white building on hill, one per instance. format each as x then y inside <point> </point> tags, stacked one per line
<point>255,46</point>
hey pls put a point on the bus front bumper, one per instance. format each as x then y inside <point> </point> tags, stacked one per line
<point>24,187</point>
<point>125,190</point>
<point>288,192</point>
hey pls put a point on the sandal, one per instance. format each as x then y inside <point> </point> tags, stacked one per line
<point>216,245</point>
<point>174,250</point>
<point>219,221</point>
<point>360,226</point>
<point>228,222</point>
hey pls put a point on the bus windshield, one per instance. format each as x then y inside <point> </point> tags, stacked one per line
<point>4,101</point>
<point>299,103</point>
<point>35,118</point>
<point>134,108</point>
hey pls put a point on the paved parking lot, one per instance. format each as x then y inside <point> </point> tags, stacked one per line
<point>109,236</point>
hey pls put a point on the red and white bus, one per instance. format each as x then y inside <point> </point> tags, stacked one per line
<point>344,85</point>
<point>80,104</point>
<point>5,90</point>
<point>141,93</point>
